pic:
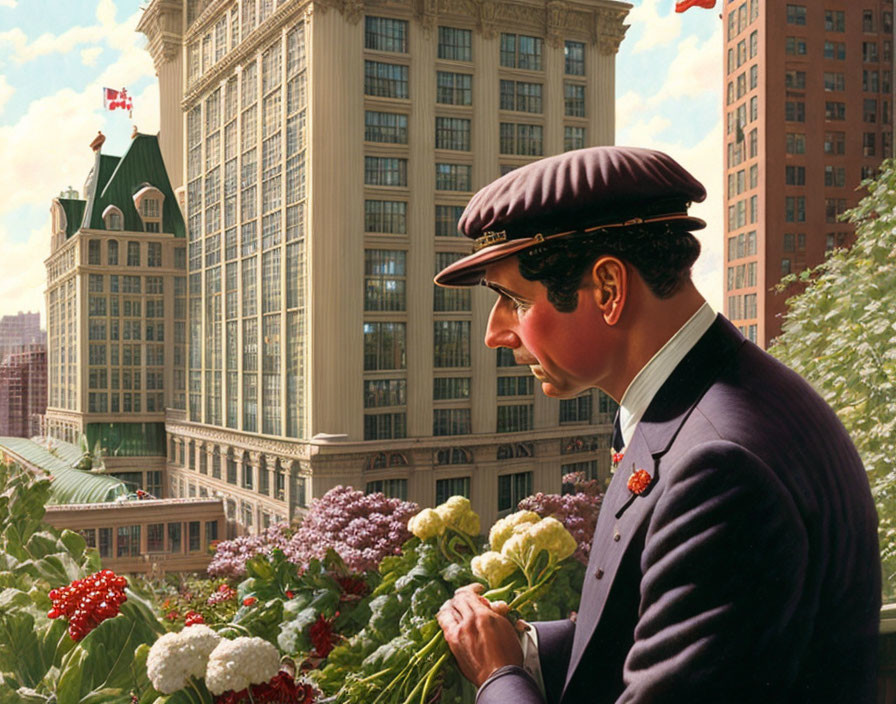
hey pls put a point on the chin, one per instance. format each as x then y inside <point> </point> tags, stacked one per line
<point>548,388</point>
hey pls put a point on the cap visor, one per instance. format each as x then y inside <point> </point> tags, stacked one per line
<point>469,270</point>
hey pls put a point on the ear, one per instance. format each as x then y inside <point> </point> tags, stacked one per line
<point>609,277</point>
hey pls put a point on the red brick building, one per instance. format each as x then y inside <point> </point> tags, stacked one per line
<point>23,391</point>
<point>808,104</point>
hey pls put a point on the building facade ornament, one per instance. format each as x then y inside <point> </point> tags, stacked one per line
<point>161,24</point>
<point>609,30</point>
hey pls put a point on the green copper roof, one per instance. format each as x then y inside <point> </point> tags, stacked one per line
<point>114,181</point>
<point>74,214</point>
<point>70,485</point>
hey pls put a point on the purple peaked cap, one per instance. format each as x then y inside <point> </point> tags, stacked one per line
<point>573,194</point>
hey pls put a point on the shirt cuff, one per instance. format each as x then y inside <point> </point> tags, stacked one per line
<point>531,660</point>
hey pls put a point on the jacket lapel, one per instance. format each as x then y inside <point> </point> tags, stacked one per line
<point>623,512</point>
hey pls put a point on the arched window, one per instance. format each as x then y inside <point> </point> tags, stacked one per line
<point>148,201</point>
<point>112,218</point>
<point>112,252</point>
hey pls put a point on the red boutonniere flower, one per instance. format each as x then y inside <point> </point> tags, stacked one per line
<point>639,481</point>
<point>617,458</point>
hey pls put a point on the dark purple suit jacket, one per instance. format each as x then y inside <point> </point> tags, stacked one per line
<point>747,572</point>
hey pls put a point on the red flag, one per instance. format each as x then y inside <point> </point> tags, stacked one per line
<point>683,5</point>
<point>117,99</point>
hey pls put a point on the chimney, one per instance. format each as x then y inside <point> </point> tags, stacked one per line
<point>98,141</point>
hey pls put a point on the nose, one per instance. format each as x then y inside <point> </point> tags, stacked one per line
<point>498,332</point>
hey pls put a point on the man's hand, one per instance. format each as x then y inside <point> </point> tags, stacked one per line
<point>479,634</point>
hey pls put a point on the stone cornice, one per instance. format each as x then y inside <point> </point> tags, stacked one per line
<point>602,23</point>
<point>286,449</point>
<point>161,23</point>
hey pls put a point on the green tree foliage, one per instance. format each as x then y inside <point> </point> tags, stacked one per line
<point>840,334</point>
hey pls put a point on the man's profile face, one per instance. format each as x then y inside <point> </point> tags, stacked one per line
<point>566,351</point>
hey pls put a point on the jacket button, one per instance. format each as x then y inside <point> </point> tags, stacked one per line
<point>599,573</point>
<point>616,536</point>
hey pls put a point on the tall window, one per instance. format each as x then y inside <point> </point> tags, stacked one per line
<point>451,343</point>
<point>385,345</point>
<point>93,252</point>
<point>386,34</point>
<point>385,171</point>
<point>385,80</point>
<point>513,488</point>
<point>521,51</point>
<point>451,421</point>
<point>379,393</point>
<point>454,177</point>
<point>447,217</point>
<point>515,418</point>
<point>455,44</point>
<point>455,486</point>
<point>796,14</point>
<point>454,88</point>
<point>576,410</point>
<point>574,58</point>
<point>387,127</point>
<point>385,426</point>
<point>133,254</point>
<point>521,96</point>
<point>574,99</point>
<point>834,21</point>
<point>521,139</point>
<point>573,138</point>
<point>385,216</point>
<point>384,282</point>
<point>453,133</point>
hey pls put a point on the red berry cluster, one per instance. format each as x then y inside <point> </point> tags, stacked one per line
<point>87,602</point>
<point>281,689</point>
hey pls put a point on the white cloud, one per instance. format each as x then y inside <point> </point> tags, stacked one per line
<point>704,161</point>
<point>695,70</point>
<point>22,285</point>
<point>43,151</point>
<point>89,56</point>
<point>6,92</point>
<point>8,3</point>
<point>656,31</point>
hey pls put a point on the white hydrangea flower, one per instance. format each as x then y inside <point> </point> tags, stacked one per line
<point>236,664</point>
<point>175,657</point>
<point>507,526</point>
<point>426,524</point>
<point>493,567</point>
<point>459,514</point>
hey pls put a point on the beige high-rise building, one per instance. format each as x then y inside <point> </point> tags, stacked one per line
<point>116,305</point>
<point>325,151</point>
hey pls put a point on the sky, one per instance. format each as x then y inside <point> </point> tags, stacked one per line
<point>55,58</point>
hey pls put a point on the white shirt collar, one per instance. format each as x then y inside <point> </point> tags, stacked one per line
<point>653,375</point>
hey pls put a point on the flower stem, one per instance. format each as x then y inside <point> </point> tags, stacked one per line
<point>433,671</point>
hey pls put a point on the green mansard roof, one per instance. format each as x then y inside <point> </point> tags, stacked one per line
<point>74,214</point>
<point>114,181</point>
<point>70,485</point>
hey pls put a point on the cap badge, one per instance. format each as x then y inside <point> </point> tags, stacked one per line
<point>489,238</point>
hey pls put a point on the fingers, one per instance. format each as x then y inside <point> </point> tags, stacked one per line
<point>500,607</point>
<point>475,587</point>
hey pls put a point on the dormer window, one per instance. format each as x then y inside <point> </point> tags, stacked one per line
<point>148,201</point>
<point>112,218</point>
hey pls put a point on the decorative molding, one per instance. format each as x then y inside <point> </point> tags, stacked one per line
<point>555,22</point>
<point>240,442</point>
<point>161,23</point>
<point>609,30</point>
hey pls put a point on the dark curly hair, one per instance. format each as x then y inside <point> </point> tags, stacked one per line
<point>663,256</point>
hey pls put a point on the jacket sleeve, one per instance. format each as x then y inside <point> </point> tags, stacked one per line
<point>723,571</point>
<point>513,685</point>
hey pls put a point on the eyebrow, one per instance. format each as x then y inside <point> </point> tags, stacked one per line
<point>498,288</point>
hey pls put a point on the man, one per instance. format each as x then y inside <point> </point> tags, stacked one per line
<point>735,557</point>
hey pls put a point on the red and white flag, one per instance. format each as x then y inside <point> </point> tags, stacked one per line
<point>117,99</point>
<point>683,5</point>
